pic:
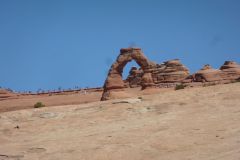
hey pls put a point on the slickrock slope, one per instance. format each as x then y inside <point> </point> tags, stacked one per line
<point>195,123</point>
<point>11,101</point>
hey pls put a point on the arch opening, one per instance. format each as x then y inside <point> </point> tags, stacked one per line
<point>127,69</point>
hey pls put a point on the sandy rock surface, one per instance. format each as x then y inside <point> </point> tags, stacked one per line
<point>194,123</point>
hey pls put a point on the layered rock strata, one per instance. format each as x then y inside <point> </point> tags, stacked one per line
<point>230,70</point>
<point>170,72</point>
<point>134,78</point>
<point>207,74</point>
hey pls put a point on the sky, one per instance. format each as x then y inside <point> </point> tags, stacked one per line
<point>66,43</point>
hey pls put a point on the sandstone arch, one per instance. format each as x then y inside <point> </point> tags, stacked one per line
<point>114,81</point>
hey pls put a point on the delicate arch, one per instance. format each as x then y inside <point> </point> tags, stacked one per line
<point>114,79</point>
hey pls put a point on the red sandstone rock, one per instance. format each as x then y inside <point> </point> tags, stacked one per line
<point>114,80</point>
<point>189,79</point>
<point>171,71</point>
<point>208,74</point>
<point>230,70</point>
<point>166,75</point>
<point>135,77</point>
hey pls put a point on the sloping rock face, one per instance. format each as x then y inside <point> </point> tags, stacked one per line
<point>230,70</point>
<point>114,82</point>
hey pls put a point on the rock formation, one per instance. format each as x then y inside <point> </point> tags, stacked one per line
<point>164,75</point>
<point>114,82</point>
<point>170,72</point>
<point>135,77</point>
<point>207,74</point>
<point>149,75</point>
<point>230,70</point>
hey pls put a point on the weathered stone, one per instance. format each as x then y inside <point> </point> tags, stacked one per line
<point>168,72</point>
<point>230,70</point>
<point>164,75</point>
<point>174,71</point>
<point>147,80</point>
<point>114,80</point>
<point>207,74</point>
<point>135,77</point>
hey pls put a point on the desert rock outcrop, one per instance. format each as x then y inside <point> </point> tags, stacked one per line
<point>170,72</point>
<point>207,74</point>
<point>230,70</point>
<point>165,75</point>
<point>114,82</point>
<point>134,78</point>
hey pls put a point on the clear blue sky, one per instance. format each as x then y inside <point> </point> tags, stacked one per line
<point>51,43</point>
